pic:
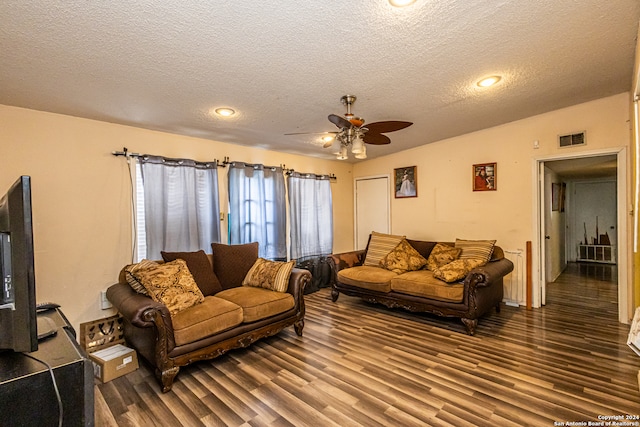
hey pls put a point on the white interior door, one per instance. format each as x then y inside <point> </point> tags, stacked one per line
<point>545,201</point>
<point>372,208</point>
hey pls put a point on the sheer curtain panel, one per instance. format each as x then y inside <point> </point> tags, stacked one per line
<point>181,205</point>
<point>311,215</point>
<point>257,208</point>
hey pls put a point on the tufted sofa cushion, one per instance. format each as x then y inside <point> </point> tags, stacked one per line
<point>421,283</point>
<point>364,276</point>
<point>258,303</point>
<point>213,315</point>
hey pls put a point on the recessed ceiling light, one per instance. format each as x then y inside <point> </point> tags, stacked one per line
<point>489,81</point>
<point>401,3</point>
<point>225,112</point>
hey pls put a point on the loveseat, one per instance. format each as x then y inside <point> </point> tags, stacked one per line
<point>462,279</point>
<point>236,303</point>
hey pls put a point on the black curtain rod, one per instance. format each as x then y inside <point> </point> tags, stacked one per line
<point>125,152</point>
<point>286,170</point>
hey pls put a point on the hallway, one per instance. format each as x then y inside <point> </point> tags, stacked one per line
<point>585,287</point>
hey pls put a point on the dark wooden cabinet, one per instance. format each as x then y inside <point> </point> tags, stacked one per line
<point>27,393</point>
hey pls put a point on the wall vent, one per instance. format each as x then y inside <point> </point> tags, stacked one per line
<point>571,140</point>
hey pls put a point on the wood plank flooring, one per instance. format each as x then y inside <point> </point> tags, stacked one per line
<point>361,364</point>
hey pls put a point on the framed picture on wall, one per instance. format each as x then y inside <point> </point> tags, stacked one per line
<point>406,182</point>
<point>485,177</point>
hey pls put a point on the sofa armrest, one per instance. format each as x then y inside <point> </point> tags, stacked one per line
<point>135,307</point>
<point>490,272</point>
<point>297,281</point>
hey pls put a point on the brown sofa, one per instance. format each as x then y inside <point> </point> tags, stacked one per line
<point>419,291</point>
<point>231,316</point>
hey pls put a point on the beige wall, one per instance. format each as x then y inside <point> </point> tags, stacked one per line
<point>81,196</point>
<point>446,208</point>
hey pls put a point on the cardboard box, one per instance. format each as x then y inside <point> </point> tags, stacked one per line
<point>103,340</point>
<point>113,362</point>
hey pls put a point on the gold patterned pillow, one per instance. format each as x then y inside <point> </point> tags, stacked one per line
<point>273,275</point>
<point>441,255</point>
<point>171,284</point>
<point>403,258</point>
<point>456,270</point>
<point>379,246</point>
<point>130,273</point>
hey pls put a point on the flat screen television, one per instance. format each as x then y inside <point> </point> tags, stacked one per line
<point>18,324</point>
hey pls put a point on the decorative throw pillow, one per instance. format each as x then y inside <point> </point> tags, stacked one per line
<point>403,258</point>
<point>441,255</point>
<point>273,275</point>
<point>476,249</point>
<point>171,284</point>
<point>200,268</point>
<point>131,271</point>
<point>456,270</point>
<point>379,246</point>
<point>232,262</point>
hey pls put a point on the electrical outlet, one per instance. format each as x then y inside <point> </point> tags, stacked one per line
<point>104,302</point>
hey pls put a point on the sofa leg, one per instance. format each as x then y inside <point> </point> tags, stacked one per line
<point>334,295</point>
<point>470,324</point>
<point>498,308</point>
<point>299,326</point>
<point>166,377</point>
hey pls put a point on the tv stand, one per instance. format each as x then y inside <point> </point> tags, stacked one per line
<point>27,395</point>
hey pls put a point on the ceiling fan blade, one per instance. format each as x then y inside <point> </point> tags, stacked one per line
<point>388,126</point>
<point>341,122</point>
<point>375,139</point>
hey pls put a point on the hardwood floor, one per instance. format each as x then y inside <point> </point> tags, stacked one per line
<point>361,364</point>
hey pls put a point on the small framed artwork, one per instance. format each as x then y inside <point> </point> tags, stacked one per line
<point>485,177</point>
<point>406,182</point>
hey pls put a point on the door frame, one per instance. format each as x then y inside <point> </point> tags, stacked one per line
<point>623,250</point>
<point>355,202</point>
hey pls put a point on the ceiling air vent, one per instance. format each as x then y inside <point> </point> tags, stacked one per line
<point>571,140</point>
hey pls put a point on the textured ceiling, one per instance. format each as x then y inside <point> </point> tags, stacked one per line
<point>283,65</point>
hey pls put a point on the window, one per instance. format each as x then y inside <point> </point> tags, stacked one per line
<point>177,206</point>
<point>311,213</point>
<point>257,208</point>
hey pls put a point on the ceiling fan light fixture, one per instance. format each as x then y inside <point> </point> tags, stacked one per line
<point>328,138</point>
<point>489,81</point>
<point>357,146</point>
<point>363,154</point>
<point>343,155</point>
<point>225,111</point>
<point>401,3</point>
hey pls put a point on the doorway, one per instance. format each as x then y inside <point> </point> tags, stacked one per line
<point>556,245</point>
<point>372,208</point>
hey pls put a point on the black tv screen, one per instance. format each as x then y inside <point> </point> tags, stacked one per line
<point>18,326</point>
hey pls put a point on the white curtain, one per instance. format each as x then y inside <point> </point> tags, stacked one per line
<point>257,208</point>
<point>311,215</point>
<point>181,205</point>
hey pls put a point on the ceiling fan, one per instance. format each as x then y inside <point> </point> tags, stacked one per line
<point>353,132</point>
